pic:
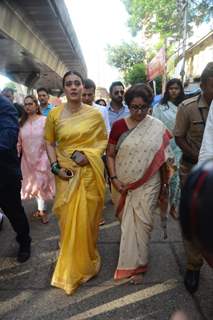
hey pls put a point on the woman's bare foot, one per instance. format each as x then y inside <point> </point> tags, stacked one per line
<point>44,217</point>
<point>36,214</point>
<point>137,279</point>
<point>102,222</point>
<point>173,212</point>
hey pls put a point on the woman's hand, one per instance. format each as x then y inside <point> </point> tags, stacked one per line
<point>164,191</point>
<point>119,186</point>
<point>64,174</point>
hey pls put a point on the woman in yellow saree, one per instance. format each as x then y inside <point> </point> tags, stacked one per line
<point>76,137</point>
<point>137,150</point>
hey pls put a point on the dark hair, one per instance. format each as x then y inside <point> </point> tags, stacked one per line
<point>180,97</point>
<point>89,84</point>
<point>25,116</point>
<point>42,89</point>
<point>141,90</point>
<point>7,89</point>
<point>207,73</point>
<point>196,206</point>
<point>100,100</point>
<point>68,73</point>
<point>115,84</point>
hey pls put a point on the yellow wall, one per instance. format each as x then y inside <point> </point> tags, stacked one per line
<point>198,57</point>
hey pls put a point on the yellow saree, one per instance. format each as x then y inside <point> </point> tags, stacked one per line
<point>79,201</point>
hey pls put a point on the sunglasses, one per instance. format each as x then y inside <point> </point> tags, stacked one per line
<point>141,108</point>
<point>116,93</point>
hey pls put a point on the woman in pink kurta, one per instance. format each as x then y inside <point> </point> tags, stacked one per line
<point>38,181</point>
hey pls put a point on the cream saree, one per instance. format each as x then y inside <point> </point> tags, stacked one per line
<point>79,201</point>
<point>137,163</point>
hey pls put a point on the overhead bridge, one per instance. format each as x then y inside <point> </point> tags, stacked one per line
<point>38,43</point>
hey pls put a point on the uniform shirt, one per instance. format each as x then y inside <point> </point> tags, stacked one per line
<point>46,110</point>
<point>206,151</point>
<point>190,121</point>
<point>114,115</point>
<point>9,129</point>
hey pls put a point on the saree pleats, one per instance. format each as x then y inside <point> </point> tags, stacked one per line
<point>79,201</point>
<point>147,142</point>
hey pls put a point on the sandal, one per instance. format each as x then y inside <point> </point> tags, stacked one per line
<point>44,217</point>
<point>41,215</point>
<point>174,213</point>
<point>102,222</point>
<point>36,214</point>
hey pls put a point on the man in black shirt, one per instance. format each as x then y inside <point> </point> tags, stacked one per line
<point>10,177</point>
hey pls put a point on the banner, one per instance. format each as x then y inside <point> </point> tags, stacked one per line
<point>157,65</point>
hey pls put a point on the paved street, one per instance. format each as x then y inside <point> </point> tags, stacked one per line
<point>25,291</point>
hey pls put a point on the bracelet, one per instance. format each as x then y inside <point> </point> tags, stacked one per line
<point>113,178</point>
<point>69,173</point>
<point>55,168</point>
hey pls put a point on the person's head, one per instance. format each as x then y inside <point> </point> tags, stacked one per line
<point>196,208</point>
<point>88,94</point>
<point>8,93</point>
<point>206,82</point>
<point>138,99</point>
<point>43,96</point>
<point>31,107</point>
<point>73,85</point>
<point>116,92</point>
<point>101,102</point>
<point>174,92</point>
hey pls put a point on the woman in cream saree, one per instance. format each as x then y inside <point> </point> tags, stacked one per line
<point>79,199</point>
<point>137,151</point>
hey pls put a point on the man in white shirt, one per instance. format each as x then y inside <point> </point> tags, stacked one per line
<point>88,97</point>
<point>116,108</point>
<point>206,151</point>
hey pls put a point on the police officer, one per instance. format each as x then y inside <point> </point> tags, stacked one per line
<point>189,128</point>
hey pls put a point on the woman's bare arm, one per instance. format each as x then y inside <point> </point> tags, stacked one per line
<point>111,154</point>
<point>52,158</point>
<point>51,152</point>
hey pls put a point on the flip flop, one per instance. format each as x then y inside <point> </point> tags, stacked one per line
<point>44,218</point>
<point>36,214</point>
<point>102,222</point>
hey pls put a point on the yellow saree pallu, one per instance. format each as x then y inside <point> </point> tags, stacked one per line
<point>79,201</point>
<point>138,161</point>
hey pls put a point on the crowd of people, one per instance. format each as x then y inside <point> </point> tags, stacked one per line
<point>65,153</point>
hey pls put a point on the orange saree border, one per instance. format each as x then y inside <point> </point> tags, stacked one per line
<point>124,273</point>
<point>155,165</point>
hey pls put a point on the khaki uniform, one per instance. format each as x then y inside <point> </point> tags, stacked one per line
<point>190,124</point>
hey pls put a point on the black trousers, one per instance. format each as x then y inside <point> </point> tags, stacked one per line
<point>10,203</point>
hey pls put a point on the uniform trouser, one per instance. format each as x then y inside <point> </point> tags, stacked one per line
<point>10,202</point>
<point>193,253</point>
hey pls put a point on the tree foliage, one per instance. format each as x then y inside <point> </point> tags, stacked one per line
<point>136,74</point>
<point>10,85</point>
<point>128,59</point>
<point>165,17</point>
<point>125,55</point>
